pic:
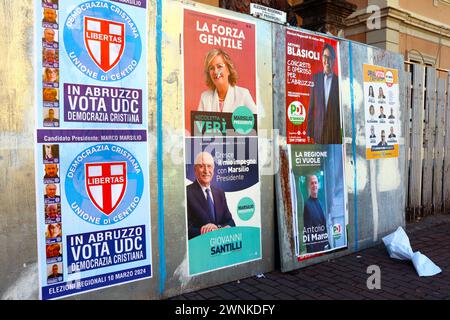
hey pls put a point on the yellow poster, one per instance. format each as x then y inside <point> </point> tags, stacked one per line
<point>381,104</point>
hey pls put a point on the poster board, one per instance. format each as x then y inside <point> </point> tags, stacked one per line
<point>313,112</point>
<point>92,176</point>
<point>223,214</point>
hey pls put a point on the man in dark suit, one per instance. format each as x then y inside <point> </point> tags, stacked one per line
<point>392,134</point>
<point>50,194</point>
<point>51,171</point>
<point>382,115</point>
<point>314,222</point>
<point>372,132</point>
<point>55,273</point>
<point>206,205</point>
<point>383,142</point>
<point>324,121</point>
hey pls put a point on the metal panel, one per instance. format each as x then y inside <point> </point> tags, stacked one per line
<point>439,146</point>
<point>376,188</point>
<point>178,280</point>
<point>446,174</point>
<point>430,128</point>
<point>407,125</point>
<point>379,188</point>
<point>415,182</point>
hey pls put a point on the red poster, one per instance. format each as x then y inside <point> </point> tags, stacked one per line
<point>312,89</point>
<point>209,37</point>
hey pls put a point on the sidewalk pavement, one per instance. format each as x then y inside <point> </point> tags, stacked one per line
<point>346,277</point>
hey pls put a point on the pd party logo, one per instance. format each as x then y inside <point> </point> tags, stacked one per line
<point>337,231</point>
<point>104,184</point>
<point>97,36</point>
<point>296,113</point>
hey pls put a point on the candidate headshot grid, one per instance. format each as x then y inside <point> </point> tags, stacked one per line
<point>52,213</point>
<point>381,117</point>
<point>50,64</point>
<point>50,152</point>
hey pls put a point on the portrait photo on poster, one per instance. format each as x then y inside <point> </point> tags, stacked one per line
<point>52,193</point>
<point>54,272</point>
<point>50,117</point>
<point>50,57</point>
<point>53,233</point>
<point>52,213</point>
<point>222,202</point>
<point>50,78</point>
<point>50,153</point>
<point>49,18</point>
<point>318,198</point>
<point>219,68</point>
<point>50,38</point>
<point>313,113</point>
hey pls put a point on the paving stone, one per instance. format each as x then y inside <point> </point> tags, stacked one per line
<point>346,277</point>
<point>284,296</point>
<point>268,289</point>
<point>207,293</point>
<point>245,295</point>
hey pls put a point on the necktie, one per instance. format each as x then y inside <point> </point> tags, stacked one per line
<point>212,210</point>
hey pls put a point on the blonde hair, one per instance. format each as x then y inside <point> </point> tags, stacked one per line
<point>47,71</point>
<point>232,78</point>
<point>51,92</point>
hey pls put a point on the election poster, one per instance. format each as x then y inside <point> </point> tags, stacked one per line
<point>313,113</point>
<point>223,214</point>
<point>219,74</point>
<point>381,109</point>
<point>319,201</point>
<point>222,202</point>
<point>92,179</point>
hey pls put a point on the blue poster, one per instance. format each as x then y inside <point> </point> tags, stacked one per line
<point>92,171</point>
<point>222,202</point>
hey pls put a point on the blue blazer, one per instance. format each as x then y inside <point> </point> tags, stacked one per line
<point>197,209</point>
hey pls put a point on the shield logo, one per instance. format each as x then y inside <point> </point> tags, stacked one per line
<point>105,41</point>
<point>106,183</point>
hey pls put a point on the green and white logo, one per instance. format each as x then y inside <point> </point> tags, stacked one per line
<point>243,120</point>
<point>246,208</point>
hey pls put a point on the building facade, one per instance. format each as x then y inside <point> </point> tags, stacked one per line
<point>419,30</point>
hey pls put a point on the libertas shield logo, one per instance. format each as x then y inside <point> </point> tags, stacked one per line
<point>106,184</point>
<point>104,41</point>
